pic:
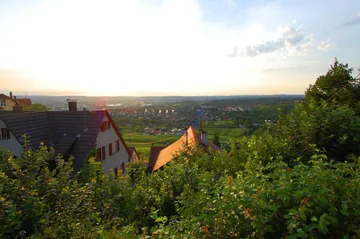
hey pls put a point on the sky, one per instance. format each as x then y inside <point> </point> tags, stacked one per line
<point>173,47</point>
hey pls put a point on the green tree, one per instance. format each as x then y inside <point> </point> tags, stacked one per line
<point>338,85</point>
<point>36,107</point>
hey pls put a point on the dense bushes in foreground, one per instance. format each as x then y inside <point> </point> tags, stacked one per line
<point>320,199</point>
<point>299,179</point>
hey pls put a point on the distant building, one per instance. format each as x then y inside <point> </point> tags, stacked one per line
<point>70,133</point>
<point>8,102</point>
<point>160,157</point>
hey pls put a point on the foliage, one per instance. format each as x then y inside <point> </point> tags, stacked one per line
<point>332,128</point>
<point>337,85</point>
<point>36,107</point>
<point>297,177</point>
<point>216,139</point>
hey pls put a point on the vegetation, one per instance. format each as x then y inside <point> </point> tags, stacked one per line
<point>36,107</point>
<point>299,178</point>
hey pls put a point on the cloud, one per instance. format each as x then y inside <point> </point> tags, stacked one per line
<point>354,21</point>
<point>324,45</point>
<point>289,68</point>
<point>291,41</point>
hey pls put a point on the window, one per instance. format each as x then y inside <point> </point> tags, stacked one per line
<point>117,145</point>
<point>103,153</point>
<point>2,103</point>
<point>105,126</point>
<point>110,149</point>
<point>5,133</point>
<point>116,171</point>
<point>98,154</point>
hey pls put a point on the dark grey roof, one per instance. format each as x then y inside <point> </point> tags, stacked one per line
<point>70,133</point>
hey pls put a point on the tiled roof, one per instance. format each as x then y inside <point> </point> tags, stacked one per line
<point>34,124</point>
<point>3,96</point>
<point>189,139</point>
<point>68,132</point>
<point>154,152</point>
<point>25,101</point>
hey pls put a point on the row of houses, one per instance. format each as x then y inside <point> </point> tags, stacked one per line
<point>8,102</point>
<point>77,134</point>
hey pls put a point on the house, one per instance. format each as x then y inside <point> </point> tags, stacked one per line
<point>189,139</point>
<point>134,157</point>
<point>154,152</point>
<point>8,102</point>
<point>70,133</point>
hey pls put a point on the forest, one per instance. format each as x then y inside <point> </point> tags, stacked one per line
<point>298,178</point>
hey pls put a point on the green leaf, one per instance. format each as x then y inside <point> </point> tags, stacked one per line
<point>323,228</point>
<point>301,233</point>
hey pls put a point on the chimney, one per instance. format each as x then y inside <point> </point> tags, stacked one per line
<point>204,138</point>
<point>11,96</point>
<point>18,109</point>
<point>72,103</point>
<point>14,97</point>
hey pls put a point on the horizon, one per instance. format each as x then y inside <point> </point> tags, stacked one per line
<point>141,96</point>
<point>173,48</point>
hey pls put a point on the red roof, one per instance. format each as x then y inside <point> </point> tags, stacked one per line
<point>2,96</point>
<point>24,101</point>
<point>189,139</point>
<point>154,152</point>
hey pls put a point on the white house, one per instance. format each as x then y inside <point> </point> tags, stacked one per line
<point>71,133</point>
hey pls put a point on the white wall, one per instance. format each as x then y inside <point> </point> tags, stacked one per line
<point>115,160</point>
<point>11,144</point>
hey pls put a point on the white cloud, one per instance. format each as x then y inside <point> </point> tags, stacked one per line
<point>325,45</point>
<point>288,41</point>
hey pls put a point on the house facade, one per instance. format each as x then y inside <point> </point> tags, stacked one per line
<point>111,149</point>
<point>9,141</point>
<point>8,102</point>
<point>71,133</point>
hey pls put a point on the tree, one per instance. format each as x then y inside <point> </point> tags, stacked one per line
<point>337,85</point>
<point>36,107</point>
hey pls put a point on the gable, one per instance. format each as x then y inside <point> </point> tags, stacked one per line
<point>12,143</point>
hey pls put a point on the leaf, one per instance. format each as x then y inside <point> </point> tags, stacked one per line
<point>323,228</point>
<point>301,233</point>
<point>344,209</point>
